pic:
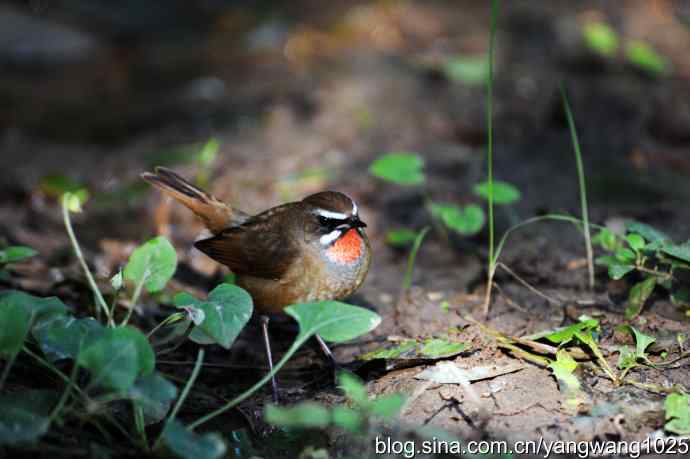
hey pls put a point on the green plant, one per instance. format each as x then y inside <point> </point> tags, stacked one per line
<point>355,417</point>
<point>469,70</point>
<point>629,358</point>
<point>119,359</point>
<point>651,254</point>
<point>600,38</point>
<point>582,186</point>
<point>645,57</point>
<point>677,414</point>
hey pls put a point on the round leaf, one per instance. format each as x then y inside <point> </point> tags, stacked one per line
<point>466,221</point>
<point>153,263</point>
<point>16,253</point>
<point>306,415</point>
<point>24,416</point>
<point>504,192</point>
<point>226,311</point>
<point>188,445</point>
<point>400,168</point>
<point>332,320</point>
<point>62,336</point>
<point>15,321</point>
<point>116,356</point>
<point>154,394</point>
<point>635,241</point>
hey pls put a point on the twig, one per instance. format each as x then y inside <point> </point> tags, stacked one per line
<point>527,284</point>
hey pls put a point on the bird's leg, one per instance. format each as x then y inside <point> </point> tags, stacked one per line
<point>329,355</point>
<point>267,344</point>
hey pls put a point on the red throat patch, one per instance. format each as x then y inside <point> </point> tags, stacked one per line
<point>347,248</point>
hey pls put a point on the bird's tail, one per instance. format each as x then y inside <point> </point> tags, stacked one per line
<point>215,214</point>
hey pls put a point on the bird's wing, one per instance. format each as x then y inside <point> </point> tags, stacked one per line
<point>254,248</point>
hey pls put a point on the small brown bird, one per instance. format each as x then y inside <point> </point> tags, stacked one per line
<point>309,250</point>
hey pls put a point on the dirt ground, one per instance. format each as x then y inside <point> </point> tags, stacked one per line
<point>308,104</point>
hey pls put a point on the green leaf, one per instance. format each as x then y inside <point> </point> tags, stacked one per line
<point>563,335</point>
<point>226,311</point>
<point>188,445</point>
<point>208,152</point>
<point>504,192</point>
<point>354,389</point>
<point>387,406</point>
<point>153,263</point>
<point>600,38</point>
<point>304,415</point>
<point>606,239</point>
<point>638,295</point>
<point>644,56</point>
<point>390,352</point>
<point>563,368</point>
<point>439,348</point>
<point>74,200</point>
<point>154,394</point>
<point>635,241</point>
<point>681,251</point>
<point>347,418</point>
<point>648,232</point>
<point>677,414</point>
<point>400,237</point>
<point>41,308</point>
<point>466,221</point>
<point>616,269</point>
<point>625,256</point>
<point>116,357</point>
<point>470,70</point>
<point>61,336</point>
<point>642,342</point>
<point>15,321</point>
<point>16,253</point>
<point>400,168</point>
<point>332,320</point>
<point>627,358</point>
<point>24,416</point>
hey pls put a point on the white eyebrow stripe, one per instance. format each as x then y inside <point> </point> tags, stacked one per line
<point>354,208</point>
<point>327,239</point>
<point>329,214</point>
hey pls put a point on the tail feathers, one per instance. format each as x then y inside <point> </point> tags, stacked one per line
<point>215,214</point>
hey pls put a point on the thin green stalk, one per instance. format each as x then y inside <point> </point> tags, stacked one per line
<point>407,280</point>
<point>6,370</point>
<point>183,395</point>
<point>583,186</point>
<point>77,250</point>
<point>65,394</point>
<point>301,339</point>
<point>489,154</point>
<point>133,302</point>
<point>140,424</point>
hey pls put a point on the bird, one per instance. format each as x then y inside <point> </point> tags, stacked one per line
<point>304,251</point>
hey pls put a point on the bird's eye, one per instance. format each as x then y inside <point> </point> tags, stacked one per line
<point>324,221</point>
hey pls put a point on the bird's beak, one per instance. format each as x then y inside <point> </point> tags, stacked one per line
<point>357,223</point>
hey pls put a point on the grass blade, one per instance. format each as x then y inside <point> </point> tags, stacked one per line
<point>583,186</point>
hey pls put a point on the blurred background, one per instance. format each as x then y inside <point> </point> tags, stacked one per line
<point>301,96</point>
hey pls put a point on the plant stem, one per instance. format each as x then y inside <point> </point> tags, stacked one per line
<point>6,370</point>
<point>583,185</point>
<point>77,251</point>
<point>489,154</point>
<point>134,300</point>
<point>248,393</point>
<point>183,395</point>
<point>407,280</point>
<point>65,394</point>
